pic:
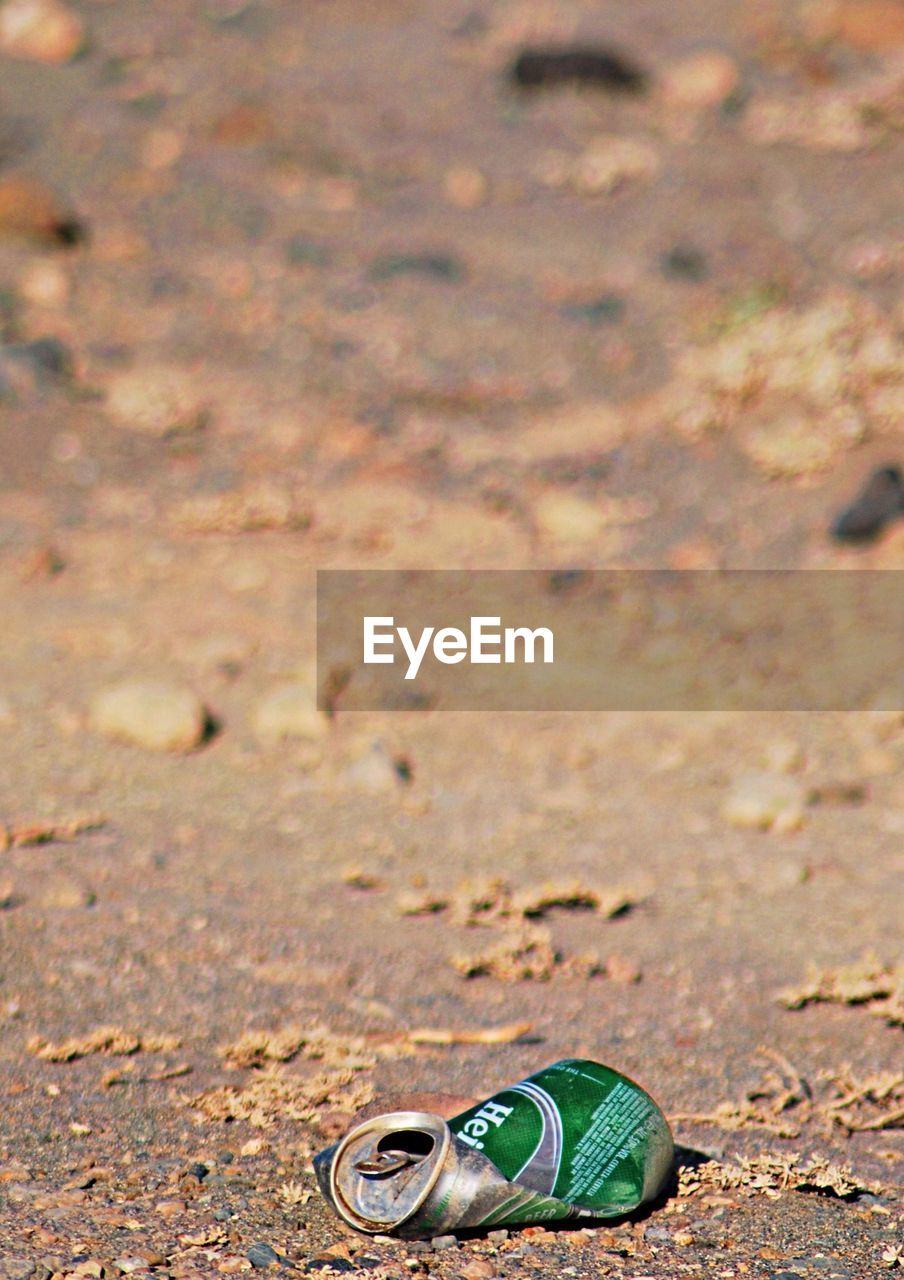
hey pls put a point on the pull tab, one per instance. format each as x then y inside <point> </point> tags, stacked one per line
<point>383,1163</point>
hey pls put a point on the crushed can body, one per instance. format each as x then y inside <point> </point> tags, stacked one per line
<point>576,1140</point>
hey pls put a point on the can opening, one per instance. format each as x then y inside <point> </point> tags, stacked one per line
<point>412,1142</point>
<point>395,1151</point>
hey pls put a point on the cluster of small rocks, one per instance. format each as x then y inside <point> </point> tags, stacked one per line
<point>802,386</point>
<point>162,715</point>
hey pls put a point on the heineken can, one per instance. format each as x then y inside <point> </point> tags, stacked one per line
<point>576,1140</point>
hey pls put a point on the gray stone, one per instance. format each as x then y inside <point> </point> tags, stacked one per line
<point>16,1269</point>
<point>262,1255</point>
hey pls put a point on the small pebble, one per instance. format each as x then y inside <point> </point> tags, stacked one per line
<point>28,208</point>
<point>704,79</point>
<point>438,266</point>
<point>465,188</point>
<point>262,1255</point>
<point>479,1269</point>
<point>131,1263</point>
<point>157,400</point>
<point>162,148</point>
<point>44,284</point>
<point>566,517</point>
<point>29,369</point>
<point>374,771</point>
<point>783,755</point>
<point>61,893</point>
<point>444,1242</point>
<point>153,714</point>
<point>499,1236</point>
<point>304,252</point>
<point>610,162</point>
<point>768,801</point>
<point>609,308</point>
<point>40,31</point>
<point>684,262</point>
<point>289,711</point>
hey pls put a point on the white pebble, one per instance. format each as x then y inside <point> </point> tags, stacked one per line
<point>150,713</point>
<point>288,711</point>
<point>769,801</point>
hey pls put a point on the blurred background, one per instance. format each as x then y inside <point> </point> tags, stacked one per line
<point>495,284</point>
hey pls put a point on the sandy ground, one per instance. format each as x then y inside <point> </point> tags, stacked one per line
<point>342,297</point>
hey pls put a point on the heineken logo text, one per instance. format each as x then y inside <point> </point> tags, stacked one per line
<point>478,1126</point>
<point>485,641</point>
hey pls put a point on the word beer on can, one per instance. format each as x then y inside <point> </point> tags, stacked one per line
<point>576,1140</point>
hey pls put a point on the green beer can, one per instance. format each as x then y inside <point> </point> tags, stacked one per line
<point>576,1140</point>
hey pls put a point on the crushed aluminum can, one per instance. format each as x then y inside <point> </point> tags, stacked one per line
<point>576,1140</point>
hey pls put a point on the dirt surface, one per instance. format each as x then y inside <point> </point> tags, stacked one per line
<point>332,292</point>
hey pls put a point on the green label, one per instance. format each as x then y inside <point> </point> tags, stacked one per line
<point>577,1131</point>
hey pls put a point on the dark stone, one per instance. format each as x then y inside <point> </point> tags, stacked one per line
<point>8,316</point>
<point>48,356</point>
<point>302,252</point>
<point>262,1255</point>
<point>685,263</point>
<point>28,369</point>
<point>222,1215</point>
<point>70,233</point>
<point>330,1264</point>
<point>879,501</point>
<point>542,68</point>
<point>198,1170</point>
<point>438,266</point>
<point>607,309</point>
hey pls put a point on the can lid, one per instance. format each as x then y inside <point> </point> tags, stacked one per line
<point>384,1169</point>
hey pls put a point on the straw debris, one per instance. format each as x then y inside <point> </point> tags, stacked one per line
<point>275,1094</point>
<point>491,900</point>
<point>21,834</point>
<point>772,1174</point>
<point>524,953</point>
<point>113,1041</point>
<point>317,1043</point>
<point>865,982</point>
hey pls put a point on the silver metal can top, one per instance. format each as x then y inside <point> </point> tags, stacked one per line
<point>384,1169</point>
